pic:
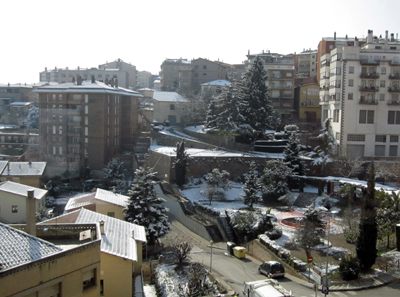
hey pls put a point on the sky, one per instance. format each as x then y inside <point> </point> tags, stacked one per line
<point>41,33</point>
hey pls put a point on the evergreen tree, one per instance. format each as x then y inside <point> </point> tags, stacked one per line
<point>322,154</point>
<point>292,154</point>
<point>116,175</point>
<point>216,182</point>
<point>251,187</point>
<point>366,242</point>
<point>256,108</point>
<point>213,115</point>
<point>180,163</point>
<point>145,208</point>
<point>275,178</point>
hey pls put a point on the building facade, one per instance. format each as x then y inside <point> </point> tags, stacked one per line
<point>86,124</point>
<point>125,73</point>
<point>169,74</point>
<point>360,92</point>
<point>306,63</point>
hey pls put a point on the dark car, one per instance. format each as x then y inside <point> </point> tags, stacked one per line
<point>272,269</point>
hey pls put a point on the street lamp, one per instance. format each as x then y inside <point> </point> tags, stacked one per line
<point>211,245</point>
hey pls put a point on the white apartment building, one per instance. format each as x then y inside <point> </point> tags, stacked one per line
<point>360,91</point>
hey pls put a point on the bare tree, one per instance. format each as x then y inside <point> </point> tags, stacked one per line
<point>181,251</point>
<point>199,284</point>
<point>348,166</point>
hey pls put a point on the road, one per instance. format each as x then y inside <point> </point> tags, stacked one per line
<point>236,271</point>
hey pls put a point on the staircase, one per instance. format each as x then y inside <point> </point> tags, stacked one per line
<point>142,147</point>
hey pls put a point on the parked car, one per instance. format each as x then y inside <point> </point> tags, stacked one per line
<point>272,269</point>
<point>65,187</point>
<point>90,184</point>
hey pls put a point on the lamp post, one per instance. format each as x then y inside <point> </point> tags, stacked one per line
<point>211,245</point>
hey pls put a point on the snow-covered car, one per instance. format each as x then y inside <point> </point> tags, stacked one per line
<point>272,269</point>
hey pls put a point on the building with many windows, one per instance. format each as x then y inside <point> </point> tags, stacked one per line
<point>125,73</point>
<point>360,91</point>
<point>86,123</point>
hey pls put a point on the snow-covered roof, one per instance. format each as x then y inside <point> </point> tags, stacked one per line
<point>218,82</point>
<point>111,197</point>
<point>20,103</point>
<point>193,152</point>
<point>3,165</point>
<point>168,97</point>
<point>87,87</point>
<point>24,169</point>
<point>21,190</point>
<point>119,238</point>
<point>79,201</point>
<point>18,248</point>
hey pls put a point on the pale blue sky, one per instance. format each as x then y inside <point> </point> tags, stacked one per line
<point>39,34</point>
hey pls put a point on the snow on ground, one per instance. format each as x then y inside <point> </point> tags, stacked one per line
<point>150,291</point>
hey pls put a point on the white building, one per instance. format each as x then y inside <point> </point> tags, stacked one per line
<point>359,90</point>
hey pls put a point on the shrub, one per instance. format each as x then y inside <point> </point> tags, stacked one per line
<point>349,267</point>
<point>274,234</point>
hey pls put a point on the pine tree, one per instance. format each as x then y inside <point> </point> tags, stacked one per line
<point>366,242</point>
<point>145,208</point>
<point>322,155</point>
<point>251,187</point>
<point>293,153</point>
<point>115,174</point>
<point>275,178</point>
<point>256,108</point>
<point>213,115</point>
<point>180,163</point>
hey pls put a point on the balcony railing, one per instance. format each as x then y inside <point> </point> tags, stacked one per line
<point>369,89</point>
<point>368,101</point>
<point>394,89</point>
<point>372,75</point>
<point>369,62</point>
<point>394,76</point>
<point>393,102</point>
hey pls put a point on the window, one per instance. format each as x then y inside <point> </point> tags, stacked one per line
<point>350,96</point>
<point>393,150</point>
<point>382,83</point>
<point>380,138</point>
<point>14,208</point>
<point>204,66</point>
<point>366,117</point>
<point>351,82</point>
<point>379,150</point>
<point>89,279</point>
<point>351,69</point>
<point>393,117</point>
<point>383,70</point>
<point>111,214</point>
<point>60,150</point>
<point>381,97</point>
<point>336,115</point>
<point>337,136</point>
<point>204,74</point>
<point>196,75</point>
<point>355,137</point>
<point>394,138</point>
<point>196,67</point>
<point>172,107</point>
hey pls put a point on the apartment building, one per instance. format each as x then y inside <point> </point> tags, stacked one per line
<point>281,74</point>
<point>306,63</point>
<point>15,93</point>
<point>125,73</point>
<point>86,123</point>
<point>307,101</point>
<point>144,79</point>
<point>189,75</point>
<point>360,91</point>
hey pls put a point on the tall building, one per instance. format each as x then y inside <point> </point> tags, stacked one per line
<point>360,91</point>
<point>125,73</point>
<point>86,124</point>
<point>306,63</point>
<point>169,74</point>
<point>281,73</point>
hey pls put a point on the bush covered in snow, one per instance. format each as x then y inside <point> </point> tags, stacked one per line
<point>282,253</point>
<point>274,234</point>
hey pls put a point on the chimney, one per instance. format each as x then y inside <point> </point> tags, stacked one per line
<point>73,79</point>
<point>93,80</point>
<point>102,227</point>
<point>79,80</point>
<point>31,213</point>
<point>386,36</point>
<point>116,83</point>
<point>391,36</point>
<point>133,234</point>
<point>370,36</point>
<point>114,189</point>
<point>334,35</point>
<point>112,82</point>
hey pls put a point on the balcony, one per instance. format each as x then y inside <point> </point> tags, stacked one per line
<point>372,75</point>
<point>394,63</point>
<point>368,101</point>
<point>369,62</point>
<point>393,102</point>
<point>394,76</point>
<point>369,89</point>
<point>394,89</point>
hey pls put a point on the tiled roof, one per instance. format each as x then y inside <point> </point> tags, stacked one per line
<point>17,248</point>
<point>111,197</point>
<point>168,97</point>
<point>24,169</point>
<point>80,201</point>
<point>117,240</point>
<point>22,190</point>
